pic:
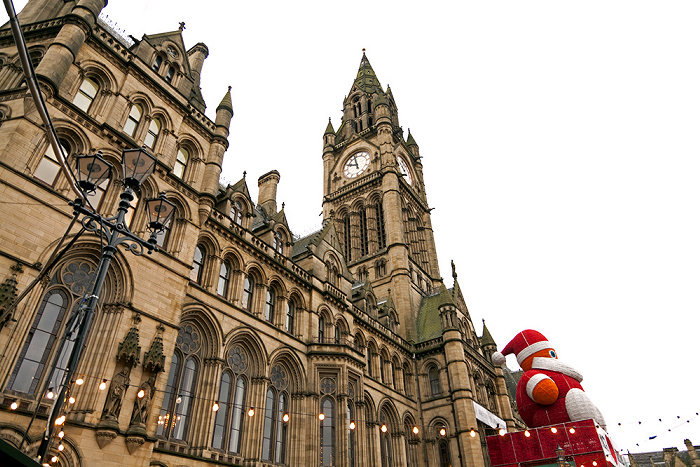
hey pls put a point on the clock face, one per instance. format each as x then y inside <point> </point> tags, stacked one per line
<point>403,168</point>
<point>356,164</point>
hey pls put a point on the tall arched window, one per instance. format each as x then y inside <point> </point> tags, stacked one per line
<point>270,305</point>
<point>229,417</point>
<point>327,443</point>
<point>381,367</point>
<point>132,121</point>
<point>385,442</point>
<point>237,212</point>
<point>248,287</point>
<point>370,371</point>
<point>152,135</point>
<point>321,329</point>
<point>180,389</point>
<point>434,377</point>
<point>351,433</point>
<point>197,264</point>
<point>347,242</point>
<point>234,444</point>
<point>289,324</point>
<point>37,347</point>
<point>364,242</point>
<point>49,167</point>
<point>183,155</point>
<point>381,232</point>
<point>224,275</point>
<point>274,445</point>
<point>171,73</point>
<point>86,94</point>
<point>337,333</point>
<point>281,434</point>
<point>444,453</point>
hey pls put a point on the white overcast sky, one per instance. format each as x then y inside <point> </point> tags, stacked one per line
<point>560,144</point>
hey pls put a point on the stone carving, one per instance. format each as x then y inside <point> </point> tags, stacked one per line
<point>139,415</point>
<point>115,395</point>
<point>104,437</point>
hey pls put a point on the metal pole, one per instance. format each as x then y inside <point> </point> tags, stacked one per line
<point>89,312</point>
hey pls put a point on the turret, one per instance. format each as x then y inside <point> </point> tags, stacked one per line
<point>412,145</point>
<point>212,171</point>
<point>64,49</point>
<point>196,56</point>
<point>488,345</point>
<point>267,192</point>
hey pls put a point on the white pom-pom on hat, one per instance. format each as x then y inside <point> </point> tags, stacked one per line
<point>498,358</point>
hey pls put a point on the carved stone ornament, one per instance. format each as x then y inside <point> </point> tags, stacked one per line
<point>154,359</point>
<point>8,290</point>
<point>142,405</point>
<point>104,437</point>
<point>115,394</point>
<point>133,443</point>
<point>129,349</point>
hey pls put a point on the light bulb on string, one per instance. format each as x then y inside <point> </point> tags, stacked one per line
<point>103,385</point>
<point>140,394</point>
<point>178,400</point>
<point>59,421</point>
<point>79,381</point>
<point>14,405</point>
<point>384,428</point>
<point>415,430</point>
<point>251,411</point>
<point>60,447</point>
<point>321,416</point>
<point>502,432</point>
<point>352,424</point>
<point>215,407</point>
<point>527,434</point>
<point>472,433</point>
<point>61,434</point>
<point>554,430</point>
<point>54,459</point>
<point>49,395</point>
<point>71,400</point>
<point>572,430</point>
<point>443,431</point>
<point>285,417</point>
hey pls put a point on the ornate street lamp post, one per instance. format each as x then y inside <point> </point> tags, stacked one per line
<point>138,165</point>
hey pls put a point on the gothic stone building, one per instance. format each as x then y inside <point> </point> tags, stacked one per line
<point>234,313</point>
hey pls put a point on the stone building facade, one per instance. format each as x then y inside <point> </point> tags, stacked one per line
<point>238,343</point>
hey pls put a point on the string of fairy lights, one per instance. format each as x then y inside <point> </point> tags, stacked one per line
<point>216,405</point>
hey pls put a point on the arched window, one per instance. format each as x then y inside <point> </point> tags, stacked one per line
<point>385,442</point>
<point>347,243</point>
<point>321,329</point>
<point>351,433</point>
<point>224,274</point>
<point>327,453</point>
<point>337,333</point>
<point>270,305</point>
<point>197,264</point>
<point>171,73</point>
<point>434,377</point>
<point>289,324</point>
<point>391,321</point>
<point>163,235</point>
<point>444,453</point>
<point>86,94</point>
<point>370,371</point>
<point>49,167</point>
<point>230,413</point>
<point>406,384</point>
<point>237,212</point>
<point>100,190</point>
<point>381,368</point>
<point>234,444</point>
<point>152,135</point>
<point>381,232</point>
<point>278,242</point>
<point>180,389</point>
<point>39,343</point>
<point>364,242</point>
<point>132,121</point>
<point>157,63</point>
<point>274,444</point>
<point>183,155</point>
<point>248,287</point>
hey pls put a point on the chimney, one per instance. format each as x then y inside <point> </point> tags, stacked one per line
<point>267,192</point>
<point>694,460</point>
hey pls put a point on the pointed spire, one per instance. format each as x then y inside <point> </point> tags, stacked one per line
<point>226,102</point>
<point>486,338</point>
<point>366,79</point>
<point>412,142</point>
<point>329,128</point>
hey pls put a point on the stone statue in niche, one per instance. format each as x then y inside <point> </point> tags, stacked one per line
<point>115,395</point>
<point>139,416</point>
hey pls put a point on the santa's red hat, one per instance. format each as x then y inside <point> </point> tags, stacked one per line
<point>523,345</point>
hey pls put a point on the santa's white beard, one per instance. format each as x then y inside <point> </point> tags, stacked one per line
<point>553,364</point>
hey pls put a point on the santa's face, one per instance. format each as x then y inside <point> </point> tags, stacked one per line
<point>544,353</point>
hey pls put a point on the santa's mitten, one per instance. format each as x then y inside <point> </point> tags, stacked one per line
<point>542,389</point>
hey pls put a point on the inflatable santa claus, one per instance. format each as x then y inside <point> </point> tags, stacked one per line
<point>549,391</point>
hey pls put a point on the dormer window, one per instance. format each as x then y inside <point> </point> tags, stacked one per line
<point>278,242</point>
<point>237,212</point>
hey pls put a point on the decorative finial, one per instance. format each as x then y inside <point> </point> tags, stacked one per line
<point>454,270</point>
<point>329,119</point>
<point>363,50</point>
<point>182,25</point>
<point>229,90</point>
<point>244,172</point>
<point>282,204</point>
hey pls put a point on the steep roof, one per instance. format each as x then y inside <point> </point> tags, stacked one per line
<point>428,325</point>
<point>366,79</point>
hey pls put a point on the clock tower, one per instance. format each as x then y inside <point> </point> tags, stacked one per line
<point>375,195</point>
